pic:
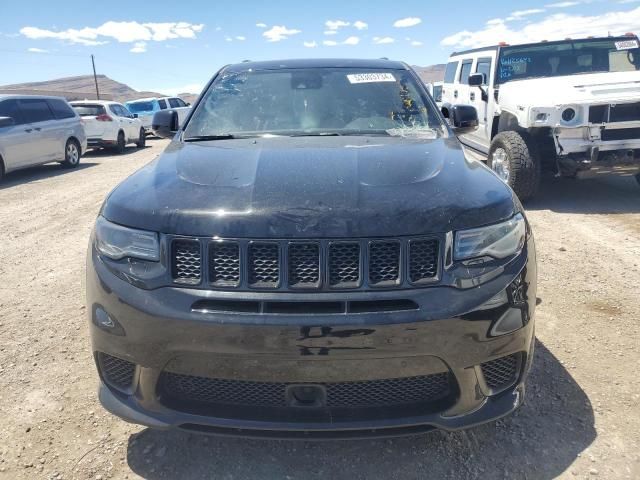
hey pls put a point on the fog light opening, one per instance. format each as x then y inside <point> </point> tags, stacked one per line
<point>106,322</point>
<point>510,321</point>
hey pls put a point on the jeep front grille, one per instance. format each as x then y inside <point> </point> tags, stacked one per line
<point>614,113</point>
<point>305,264</point>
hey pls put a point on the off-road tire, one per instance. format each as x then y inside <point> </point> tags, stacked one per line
<point>121,143</point>
<point>142,139</point>
<point>524,164</point>
<point>71,154</point>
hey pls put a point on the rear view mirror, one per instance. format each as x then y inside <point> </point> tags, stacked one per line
<point>463,118</point>
<point>6,122</point>
<point>165,123</point>
<point>476,79</point>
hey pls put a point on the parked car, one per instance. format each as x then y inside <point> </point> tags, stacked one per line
<point>109,125</point>
<point>435,89</point>
<point>570,106</point>
<point>35,130</point>
<point>316,260</point>
<point>146,107</point>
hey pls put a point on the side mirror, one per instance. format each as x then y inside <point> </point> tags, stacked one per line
<point>188,104</point>
<point>6,122</point>
<point>476,79</point>
<point>463,118</point>
<point>165,123</point>
<point>135,115</point>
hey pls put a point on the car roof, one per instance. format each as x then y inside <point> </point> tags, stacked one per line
<point>553,42</point>
<point>41,97</point>
<point>93,102</point>
<point>317,63</point>
<point>148,99</point>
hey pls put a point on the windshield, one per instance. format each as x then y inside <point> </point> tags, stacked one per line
<point>137,107</point>
<point>568,58</point>
<point>314,101</point>
<point>85,110</point>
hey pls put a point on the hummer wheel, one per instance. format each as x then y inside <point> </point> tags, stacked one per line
<point>513,158</point>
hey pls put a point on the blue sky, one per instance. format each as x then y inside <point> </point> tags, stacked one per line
<point>176,46</point>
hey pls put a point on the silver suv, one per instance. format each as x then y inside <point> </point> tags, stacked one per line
<point>35,130</point>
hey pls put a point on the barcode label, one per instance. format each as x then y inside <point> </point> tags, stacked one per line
<point>370,77</point>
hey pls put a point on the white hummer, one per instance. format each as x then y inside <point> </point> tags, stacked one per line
<point>571,106</point>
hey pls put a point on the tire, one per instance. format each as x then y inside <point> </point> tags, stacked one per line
<point>121,143</point>
<point>1,169</point>
<point>71,154</point>
<point>142,139</point>
<point>637,176</point>
<point>513,158</point>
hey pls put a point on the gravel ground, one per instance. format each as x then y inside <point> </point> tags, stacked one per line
<point>581,419</point>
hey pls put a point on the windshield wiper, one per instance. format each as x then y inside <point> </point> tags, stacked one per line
<point>204,138</point>
<point>315,134</point>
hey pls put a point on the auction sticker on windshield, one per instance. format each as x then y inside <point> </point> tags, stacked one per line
<point>626,44</point>
<point>370,77</point>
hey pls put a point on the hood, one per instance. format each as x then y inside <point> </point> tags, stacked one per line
<point>592,88</point>
<point>310,187</point>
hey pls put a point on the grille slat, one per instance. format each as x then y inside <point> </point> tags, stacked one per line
<point>502,372</point>
<point>304,265</point>
<point>423,260</point>
<point>344,265</point>
<point>384,263</point>
<point>370,393</point>
<point>299,264</point>
<point>264,265</point>
<point>224,263</point>
<point>186,261</point>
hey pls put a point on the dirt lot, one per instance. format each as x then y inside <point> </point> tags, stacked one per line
<point>581,420</point>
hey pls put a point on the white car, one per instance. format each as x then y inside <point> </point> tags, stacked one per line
<point>109,125</point>
<point>145,108</point>
<point>35,130</point>
<point>570,106</point>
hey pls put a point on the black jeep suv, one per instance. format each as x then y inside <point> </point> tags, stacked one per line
<point>312,256</point>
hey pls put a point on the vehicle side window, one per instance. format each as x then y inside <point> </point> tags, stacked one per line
<point>450,72</point>
<point>181,102</point>
<point>114,110</point>
<point>123,112</point>
<point>173,102</point>
<point>484,66</point>
<point>163,104</point>
<point>35,110</point>
<point>465,71</point>
<point>127,112</point>
<point>9,108</point>
<point>61,109</point>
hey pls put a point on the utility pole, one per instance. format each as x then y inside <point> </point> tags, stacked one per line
<point>95,79</point>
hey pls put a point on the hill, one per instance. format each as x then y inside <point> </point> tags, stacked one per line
<point>84,84</point>
<point>432,73</point>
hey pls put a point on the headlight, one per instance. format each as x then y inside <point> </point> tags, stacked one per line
<point>498,241</point>
<point>116,242</point>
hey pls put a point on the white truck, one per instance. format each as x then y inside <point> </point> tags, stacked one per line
<point>570,106</point>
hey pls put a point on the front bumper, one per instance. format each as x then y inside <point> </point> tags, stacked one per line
<point>158,332</point>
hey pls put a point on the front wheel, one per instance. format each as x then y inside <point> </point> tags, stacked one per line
<point>142,139</point>
<point>71,154</point>
<point>513,159</point>
<point>121,143</point>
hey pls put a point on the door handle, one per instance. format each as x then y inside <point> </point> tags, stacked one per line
<point>28,130</point>
<point>472,95</point>
<point>455,94</point>
<point>37,129</point>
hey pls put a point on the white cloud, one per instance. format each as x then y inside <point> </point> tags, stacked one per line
<point>241,38</point>
<point>124,32</point>
<point>139,47</point>
<point>330,43</point>
<point>261,25</point>
<point>312,44</point>
<point>227,38</point>
<point>416,43</point>
<point>524,13</point>
<point>352,41</point>
<point>336,24</point>
<point>553,27</point>
<point>360,25</point>
<point>383,40</point>
<point>407,22</point>
<point>562,4</point>
<point>279,32</point>
<point>37,50</point>
<point>330,32</point>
